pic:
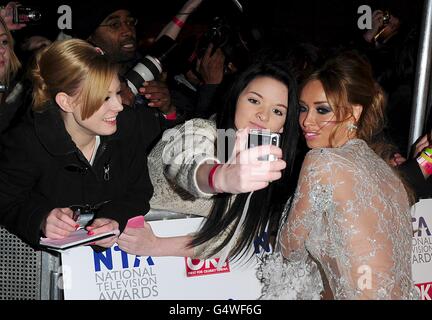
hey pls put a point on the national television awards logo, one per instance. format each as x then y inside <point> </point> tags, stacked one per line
<point>422,253</point>
<point>120,276</point>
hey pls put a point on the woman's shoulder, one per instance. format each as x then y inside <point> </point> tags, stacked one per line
<point>337,159</point>
<point>344,152</point>
<point>196,130</point>
<point>323,155</point>
<point>192,133</point>
<point>21,139</point>
<point>196,123</point>
<point>22,131</point>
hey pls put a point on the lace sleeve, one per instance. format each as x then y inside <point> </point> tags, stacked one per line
<point>303,209</point>
<point>285,279</point>
<point>351,216</point>
<point>293,274</point>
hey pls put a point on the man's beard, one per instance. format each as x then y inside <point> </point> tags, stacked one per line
<point>123,57</point>
<point>117,55</point>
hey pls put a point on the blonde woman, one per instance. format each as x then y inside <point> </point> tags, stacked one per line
<point>9,63</point>
<point>81,148</point>
<point>11,91</point>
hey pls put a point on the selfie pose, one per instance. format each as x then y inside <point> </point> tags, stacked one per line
<point>190,178</point>
<point>80,148</point>
<point>348,230</point>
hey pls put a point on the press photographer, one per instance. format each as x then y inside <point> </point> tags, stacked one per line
<point>111,27</point>
<point>205,64</point>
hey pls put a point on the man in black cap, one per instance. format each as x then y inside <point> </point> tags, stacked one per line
<point>111,27</point>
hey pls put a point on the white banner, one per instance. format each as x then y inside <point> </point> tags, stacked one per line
<point>422,247</point>
<point>116,275</point>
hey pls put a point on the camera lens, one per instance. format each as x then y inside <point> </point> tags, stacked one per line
<point>150,67</point>
<point>147,69</point>
<point>386,18</point>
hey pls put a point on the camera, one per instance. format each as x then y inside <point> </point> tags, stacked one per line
<point>386,18</point>
<point>151,66</point>
<point>3,88</point>
<point>390,26</point>
<point>218,34</point>
<point>236,40</point>
<point>27,15</point>
<point>258,137</point>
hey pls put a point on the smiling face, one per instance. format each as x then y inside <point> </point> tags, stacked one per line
<point>117,36</point>
<point>318,121</point>
<point>4,53</point>
<point>263,104</point>
<point>103,122</point>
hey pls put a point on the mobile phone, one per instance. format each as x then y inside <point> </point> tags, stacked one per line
<point>258,137</point>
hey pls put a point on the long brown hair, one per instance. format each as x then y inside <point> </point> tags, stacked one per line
<point>348,80</point>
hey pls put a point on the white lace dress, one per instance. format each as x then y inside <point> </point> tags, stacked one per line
<point>349,216</point>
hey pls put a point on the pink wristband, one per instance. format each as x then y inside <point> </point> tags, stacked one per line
<point>211,175</point>
<point>171,116</point>
<point>178,22</point>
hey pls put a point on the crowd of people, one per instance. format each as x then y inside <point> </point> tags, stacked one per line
<point>335,197</point>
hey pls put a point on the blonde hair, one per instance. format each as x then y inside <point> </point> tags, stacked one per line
<point>76,68</point>
<point>14,63</point>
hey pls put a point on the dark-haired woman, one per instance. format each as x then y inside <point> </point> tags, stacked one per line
<point>228,184</point>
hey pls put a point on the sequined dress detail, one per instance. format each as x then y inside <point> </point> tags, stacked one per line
<point>349,224</point>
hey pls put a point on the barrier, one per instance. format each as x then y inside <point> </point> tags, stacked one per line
<point>26,274</point>
<point>116,275</point>
<point>422,247</point>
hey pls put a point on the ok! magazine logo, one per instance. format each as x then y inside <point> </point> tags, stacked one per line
<point>198,267</point>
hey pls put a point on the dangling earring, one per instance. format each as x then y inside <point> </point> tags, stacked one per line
<point>351,128</point>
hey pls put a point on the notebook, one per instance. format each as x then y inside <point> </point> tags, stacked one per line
<point>77,238</point>
<point>81,237</point>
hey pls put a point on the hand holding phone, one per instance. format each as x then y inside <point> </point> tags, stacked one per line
<point>259,137</point>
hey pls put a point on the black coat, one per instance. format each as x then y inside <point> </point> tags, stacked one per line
<point>41,169</point>
<point>14,107</point>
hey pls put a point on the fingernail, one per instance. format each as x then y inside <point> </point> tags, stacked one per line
<point>90,233</point>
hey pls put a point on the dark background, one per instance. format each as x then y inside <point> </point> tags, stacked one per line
<point>323,22</point>
<point>281,23</point>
